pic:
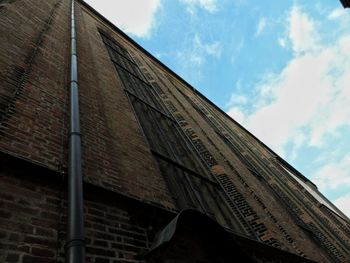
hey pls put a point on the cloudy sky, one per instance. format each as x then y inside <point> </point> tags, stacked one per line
<point>280,68</point>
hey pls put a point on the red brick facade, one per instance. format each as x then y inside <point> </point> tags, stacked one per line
<point>132,188</point>
<point>33,218</point>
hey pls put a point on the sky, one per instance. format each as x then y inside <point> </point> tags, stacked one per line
<point>279,68</point>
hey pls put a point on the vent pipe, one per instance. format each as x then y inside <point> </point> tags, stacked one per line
<point>75,243</point>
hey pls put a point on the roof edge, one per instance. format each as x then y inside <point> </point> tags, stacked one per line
<point>345,3</point>
<point>119,31</point>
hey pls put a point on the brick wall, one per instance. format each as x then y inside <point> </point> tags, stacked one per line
<point>243,171</point>
<point>33,67</point>
<point>33,219</point>
<point>115,152</point>
<point>251,197</point>
<point>30,213</point>
<point>34,100</point>
<point>118,229</point>
<point>34,41</point>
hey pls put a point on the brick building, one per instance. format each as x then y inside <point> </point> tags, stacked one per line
<point>152,146</point>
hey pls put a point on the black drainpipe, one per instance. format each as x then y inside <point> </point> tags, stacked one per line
<point>75,243</point>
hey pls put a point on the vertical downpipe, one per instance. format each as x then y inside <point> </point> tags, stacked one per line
<point>75,243</point>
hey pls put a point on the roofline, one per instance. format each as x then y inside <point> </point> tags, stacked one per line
<point>345,3</point>
<point>215,232</point>
<point>119,31</point>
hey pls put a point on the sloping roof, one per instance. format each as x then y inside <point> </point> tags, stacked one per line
<point>227,244</point>
<point>205,228</point>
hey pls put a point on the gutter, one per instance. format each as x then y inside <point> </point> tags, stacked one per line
<point>75,243</point>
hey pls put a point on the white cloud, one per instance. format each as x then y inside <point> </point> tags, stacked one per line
<point>261,26</point>
<point>307,103</point>
<point>133,16</point>
<point>309,99</point>
<point>302,31</point>
<point>334,175</point>
<point>197,52</point>
<point>337,13</point>
<point>193,55</point>
<point>208,5</point>
<point>237,114</point>
<point>212,49</point>
<point>343,203</point>
<point>237,47</point>
<point>237,100</point>
<point>282,42</point>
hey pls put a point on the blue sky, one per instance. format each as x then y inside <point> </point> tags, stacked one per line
<point>280,68</point>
